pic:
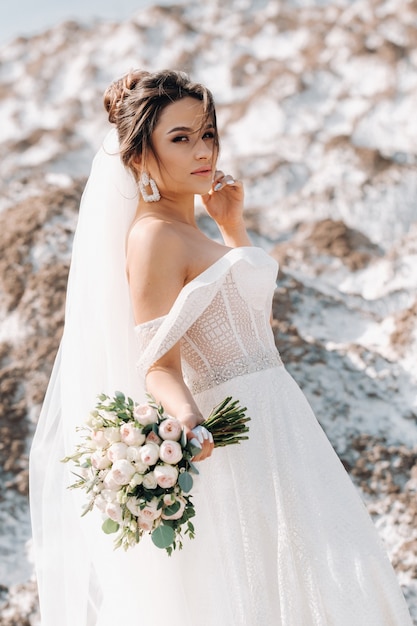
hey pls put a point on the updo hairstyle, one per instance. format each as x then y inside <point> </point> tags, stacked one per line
<point>135,102</point>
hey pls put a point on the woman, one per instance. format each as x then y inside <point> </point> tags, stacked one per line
<point>282,538</point>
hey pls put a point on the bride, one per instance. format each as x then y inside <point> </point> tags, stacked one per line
<point>282,538</point>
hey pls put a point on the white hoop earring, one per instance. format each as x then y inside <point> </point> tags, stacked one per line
<point>144,181</point>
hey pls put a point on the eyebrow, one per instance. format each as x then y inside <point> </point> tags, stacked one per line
<point>187,129</point>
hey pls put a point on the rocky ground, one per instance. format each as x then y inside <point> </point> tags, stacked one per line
<point>316,106</point>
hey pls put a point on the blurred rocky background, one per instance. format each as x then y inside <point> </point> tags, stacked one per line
<point>316,106</point>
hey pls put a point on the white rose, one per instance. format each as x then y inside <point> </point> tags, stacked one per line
<point>133,506</point>
<point>109,416</point>
<point>121,496</point>
<point>121,473</point>
<point>168,502</point>
<point>109,483</point>
<point>170,428</point>
<point>133,454</point>
<point>100,503</point>
<point>145,414</point>
<point>166,476</point>
<point>112,434</point>
<point>132,435</point>
<point>109,495</point>
<point>170,452</point>
<point>97,436</point>
<point>100,460</point>
<point>117,451</point>
<point>140,467</point>
<point>114,511</point>
<point>94,420</point>
<point>149,453</point>
<point>137,479</point>
<point>149,481</point>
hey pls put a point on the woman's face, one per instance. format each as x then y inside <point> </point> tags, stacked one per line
<point>186,149</point>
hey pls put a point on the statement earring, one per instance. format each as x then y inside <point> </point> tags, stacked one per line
<point>146,181</point>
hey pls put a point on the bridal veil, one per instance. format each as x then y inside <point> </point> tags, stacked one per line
<point>98,353</point>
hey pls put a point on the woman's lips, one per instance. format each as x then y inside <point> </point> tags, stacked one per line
<point>202,171</point>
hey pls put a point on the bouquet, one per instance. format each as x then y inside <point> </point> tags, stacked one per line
<point>135,464</point>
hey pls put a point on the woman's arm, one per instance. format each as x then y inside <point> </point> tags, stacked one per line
<point>165,383</point>
<point>156,268</point>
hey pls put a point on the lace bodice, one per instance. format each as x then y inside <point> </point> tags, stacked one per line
<point>221,319</point>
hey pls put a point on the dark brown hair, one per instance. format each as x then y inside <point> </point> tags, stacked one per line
<point>135,102</point>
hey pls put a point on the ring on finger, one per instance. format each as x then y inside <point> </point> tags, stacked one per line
<point>202,433</point>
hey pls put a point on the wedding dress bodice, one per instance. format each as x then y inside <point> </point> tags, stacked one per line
<point>221,319</point>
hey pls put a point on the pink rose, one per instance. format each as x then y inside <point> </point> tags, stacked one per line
<point>168,502</point>
<point>121,473</point>
<point>114,511</point>
<point>170,452</point>
<point>153,438</point>
<point>151,511</point>
<point>117,451</point>
<point>170,429</point>
<point>166,476</point>
<point>145,414</point>
<point>98,437</point>
<point>145,524</point>
<point>149,453</point>
<point>100,460</point>
<point>131,435</point>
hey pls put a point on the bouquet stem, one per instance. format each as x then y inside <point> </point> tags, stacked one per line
<point>227,423</point>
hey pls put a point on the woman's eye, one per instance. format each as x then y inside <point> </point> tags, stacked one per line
<point>208,135</point>
<point>180,138</point>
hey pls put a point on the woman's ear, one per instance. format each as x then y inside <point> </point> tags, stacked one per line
<point>136,166</point>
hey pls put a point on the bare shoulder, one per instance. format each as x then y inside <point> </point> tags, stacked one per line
<point>148,236</point>
<point>156,263</point>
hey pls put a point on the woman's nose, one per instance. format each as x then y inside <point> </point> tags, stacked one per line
<point>202,150</point>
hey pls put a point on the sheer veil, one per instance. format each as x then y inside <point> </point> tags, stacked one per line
<point>98,353</point>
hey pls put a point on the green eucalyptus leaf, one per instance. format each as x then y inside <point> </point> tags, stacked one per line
<point>193,468</point>
<point>163,536</point>
<point>172,508</point>
<point>195,450</point>
<point>110,526</point>
<point>185,481</point>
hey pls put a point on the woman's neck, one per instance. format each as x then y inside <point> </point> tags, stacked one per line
<point>165,209</point>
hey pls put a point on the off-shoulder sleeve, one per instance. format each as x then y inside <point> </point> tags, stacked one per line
<point>157,337</point>
<point>160,335</point>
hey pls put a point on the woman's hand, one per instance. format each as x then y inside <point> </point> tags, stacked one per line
<point>224,203</point>
<point>201,437</point>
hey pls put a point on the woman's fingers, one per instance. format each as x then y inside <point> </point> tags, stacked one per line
<point>221,180</point>
<point>202,434</point>
<point>202,438</point>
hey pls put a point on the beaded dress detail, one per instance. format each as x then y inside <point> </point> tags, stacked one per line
<point>283,538</point>
<point>233,337</point>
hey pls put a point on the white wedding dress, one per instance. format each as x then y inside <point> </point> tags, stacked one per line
<point>283,538</point>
